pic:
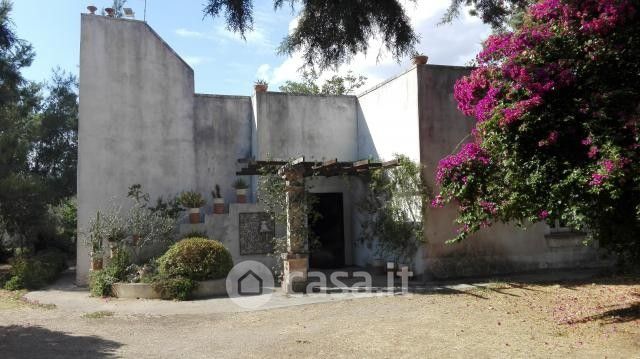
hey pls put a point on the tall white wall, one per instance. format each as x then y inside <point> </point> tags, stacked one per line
<point>223,127</point>
<point>387,125</point>
<point>388,119</point>
<point>136,118</point>
<point>317,127</point>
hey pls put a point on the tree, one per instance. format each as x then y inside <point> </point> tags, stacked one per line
<point>38,138</point>
<point>558,125</point>
<point>336,85</point>
<point>493,12</point>
<point>330,33</point>
<point>55,151</point>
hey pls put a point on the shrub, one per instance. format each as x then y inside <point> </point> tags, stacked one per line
<point>191,199</point>
<point>116,271</point>
<point>178,288</point>
<point>37,271</point>
<point>194,234</point>
<point>196,259</point>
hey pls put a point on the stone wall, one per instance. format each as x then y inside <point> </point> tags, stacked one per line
<point>136,118</point>
<point>317,127</point>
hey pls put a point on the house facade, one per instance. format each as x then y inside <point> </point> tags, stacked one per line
<point>141,122</point>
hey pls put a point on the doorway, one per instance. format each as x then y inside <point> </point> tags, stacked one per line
<point>327,233</point>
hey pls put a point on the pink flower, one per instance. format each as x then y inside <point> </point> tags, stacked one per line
<point>451,167</point>
<point>437,202</point>
<point>543,214</point>
<point>597,179</point>
<point>593,152</point>
<point>489,207</point>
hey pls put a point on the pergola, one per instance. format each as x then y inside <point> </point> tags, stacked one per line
<point>294,172</point>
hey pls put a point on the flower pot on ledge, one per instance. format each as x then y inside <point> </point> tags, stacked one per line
<point>218,205</point>
<point>241,195</point>
<point>261,88</point>
<point>194,215</point>
<point>420,59</point>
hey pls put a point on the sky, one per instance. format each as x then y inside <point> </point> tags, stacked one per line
<point>224,63</point>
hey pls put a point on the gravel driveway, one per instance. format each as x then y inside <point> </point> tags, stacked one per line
<point>507,320</point>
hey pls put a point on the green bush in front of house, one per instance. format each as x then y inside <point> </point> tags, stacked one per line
<point>33,272</point>
<point>196,259</point>
<point>116,271</point>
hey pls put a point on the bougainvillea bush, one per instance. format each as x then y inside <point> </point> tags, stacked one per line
<point>556,103</point>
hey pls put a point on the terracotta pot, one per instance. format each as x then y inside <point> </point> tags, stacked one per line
<point>110,11</point>
<point>194,215</point>
<point>96,263</point>
<point>92,9</point>
<point>420,60</point>
<point>218,205</point>
<point>241,195</point>
<point>261,88</point>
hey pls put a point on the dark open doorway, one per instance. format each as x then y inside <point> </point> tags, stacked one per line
<point>328,230</point>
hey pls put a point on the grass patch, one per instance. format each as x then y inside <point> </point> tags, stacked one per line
<point>97,315</point>
<point>14,299</point>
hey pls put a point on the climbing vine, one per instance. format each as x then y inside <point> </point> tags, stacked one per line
<point>392,211</point>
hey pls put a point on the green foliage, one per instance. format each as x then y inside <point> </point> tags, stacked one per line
<point>177,288</point>
<point>558,126</point>
<point>38,136</point>
<point>196,259</point>
<point>330,33</point>
<point>260,82</point>
<point>496,13</point>
<point>392,209</point>
<point>191,199</point>
<point>240,184</point>
<point>116,271</point>
<point>195,234</point>
<point>37,271</point>
<point>336,85</point>
<point>272,197</point>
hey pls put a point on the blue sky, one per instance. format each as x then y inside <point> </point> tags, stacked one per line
<point>224,63</point>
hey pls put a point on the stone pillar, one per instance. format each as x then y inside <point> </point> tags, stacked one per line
<point>296,260</point>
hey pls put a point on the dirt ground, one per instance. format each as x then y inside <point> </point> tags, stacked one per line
<point>598,319</point>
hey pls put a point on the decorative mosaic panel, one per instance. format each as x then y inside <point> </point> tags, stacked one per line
<point>256,230</point>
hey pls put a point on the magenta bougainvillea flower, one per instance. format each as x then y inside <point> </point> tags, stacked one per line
<point>557,121</point>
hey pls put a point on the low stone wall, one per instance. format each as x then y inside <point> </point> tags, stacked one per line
<point>205,289</point>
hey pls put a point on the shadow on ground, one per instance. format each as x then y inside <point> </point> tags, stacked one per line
<point>37,342</point>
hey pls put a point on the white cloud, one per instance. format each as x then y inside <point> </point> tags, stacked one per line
<point>263,72</point>
<point>194,61</point>
<point>449,44</point>
<point>189,33</point>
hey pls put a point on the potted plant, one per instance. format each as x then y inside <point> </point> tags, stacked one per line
<point>241,190</point>
<point>218,201</point>
<point>192,201</point>
<point>115,229</point>
<point>92,9</point>
<point>419,59</point>
<point>260,85</point>
<point>94,240</point>
<point>110,11</point>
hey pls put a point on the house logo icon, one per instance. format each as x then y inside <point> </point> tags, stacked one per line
<point>250,284</point>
